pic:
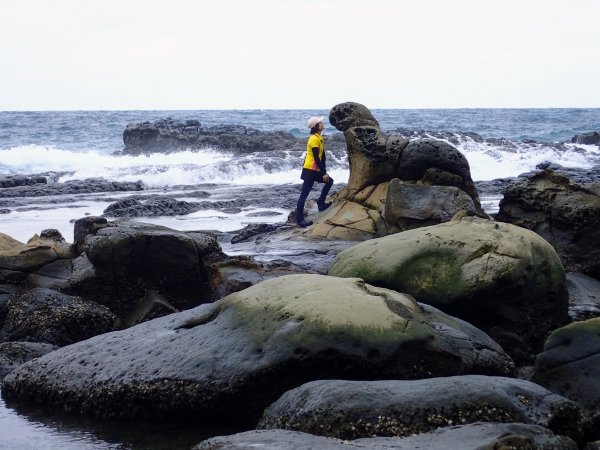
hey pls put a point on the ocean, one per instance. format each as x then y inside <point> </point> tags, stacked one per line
<point>76,145</point>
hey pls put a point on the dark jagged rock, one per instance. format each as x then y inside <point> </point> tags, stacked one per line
<point>244,351</point>
<point>71,187</point>
<point>584,296</point>
<point>44,315</point>
<point>252,230</point>
<point>13,354</point>
<point>7,181</point>
<point>5,300</point>
<point>478,436</point>
<point>564,213</point>
<point>164,206</point>
<point>358,409</point>
<point>168,135</point>
<point>592,138</point>
<point>409,206</point>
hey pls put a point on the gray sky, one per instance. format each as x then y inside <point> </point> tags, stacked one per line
<point>238,54</point>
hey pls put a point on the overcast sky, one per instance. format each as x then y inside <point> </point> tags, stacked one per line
<point>246,54</point>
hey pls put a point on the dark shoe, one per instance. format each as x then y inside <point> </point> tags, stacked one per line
<point>305,223</point>
<point>323,206</point>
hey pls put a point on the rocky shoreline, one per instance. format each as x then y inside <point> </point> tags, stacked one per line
<point>405,316</point>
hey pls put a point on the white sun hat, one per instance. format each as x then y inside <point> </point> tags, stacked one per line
<point>313,121</point>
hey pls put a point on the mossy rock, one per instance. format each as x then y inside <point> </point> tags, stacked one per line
<point>244,351</point>
<point>506,280</point>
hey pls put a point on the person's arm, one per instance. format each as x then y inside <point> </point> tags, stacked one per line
<point>320,164</point>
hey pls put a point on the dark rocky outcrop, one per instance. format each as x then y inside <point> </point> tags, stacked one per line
<point>7,181</point>
<point>70,187</point>
<point>165,206</point>
<point>44,315</point>
<point>242,352</point>
<point>252,230</point>
<point>504,279</point>
<point>356,409</point>
<point>410,206</point>
<point>584,296</point>
<point>591,138</point>
<point>121,263</point>
<point>566,214</point>
<point>13,354</point>
<point>570,365</point>
<point>478,436</point>
<point>168,135</point>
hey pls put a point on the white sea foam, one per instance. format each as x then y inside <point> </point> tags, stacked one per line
<point>487,161</point>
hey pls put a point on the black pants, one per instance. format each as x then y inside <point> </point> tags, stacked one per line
<point>306,188</point>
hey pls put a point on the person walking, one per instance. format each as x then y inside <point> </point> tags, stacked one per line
<point>314,170</point>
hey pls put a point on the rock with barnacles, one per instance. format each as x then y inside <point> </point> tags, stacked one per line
<point>244,351</point>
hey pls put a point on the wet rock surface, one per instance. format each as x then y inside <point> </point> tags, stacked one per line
<point>166,206</point>
<point>356,409</point>
<point>70,187</point>
<point>7,181</point>
<point>504,279</point>
<point>13,354</point>
<point>244,351</point>
<point>479,436</point>
<point>570,365</point>
<point>43,315</point>
<point>564,213</point>
<point>584,296</point>
<point>591,138</point>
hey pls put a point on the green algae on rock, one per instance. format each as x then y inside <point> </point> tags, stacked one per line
<point>506,280</point>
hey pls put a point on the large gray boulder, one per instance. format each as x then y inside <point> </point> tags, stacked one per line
<point>44,315</point>
<point>355,409</point>
<point>241,353</point>
<point>504,279</point>
<point>120,262</point>
<point>570,365</point>
<point>564,213</point>
<point>478,436</point>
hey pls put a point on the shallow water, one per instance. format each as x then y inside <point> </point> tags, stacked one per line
<point>34,429</point>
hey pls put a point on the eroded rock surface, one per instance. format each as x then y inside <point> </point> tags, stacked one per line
<point>564,213</point>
